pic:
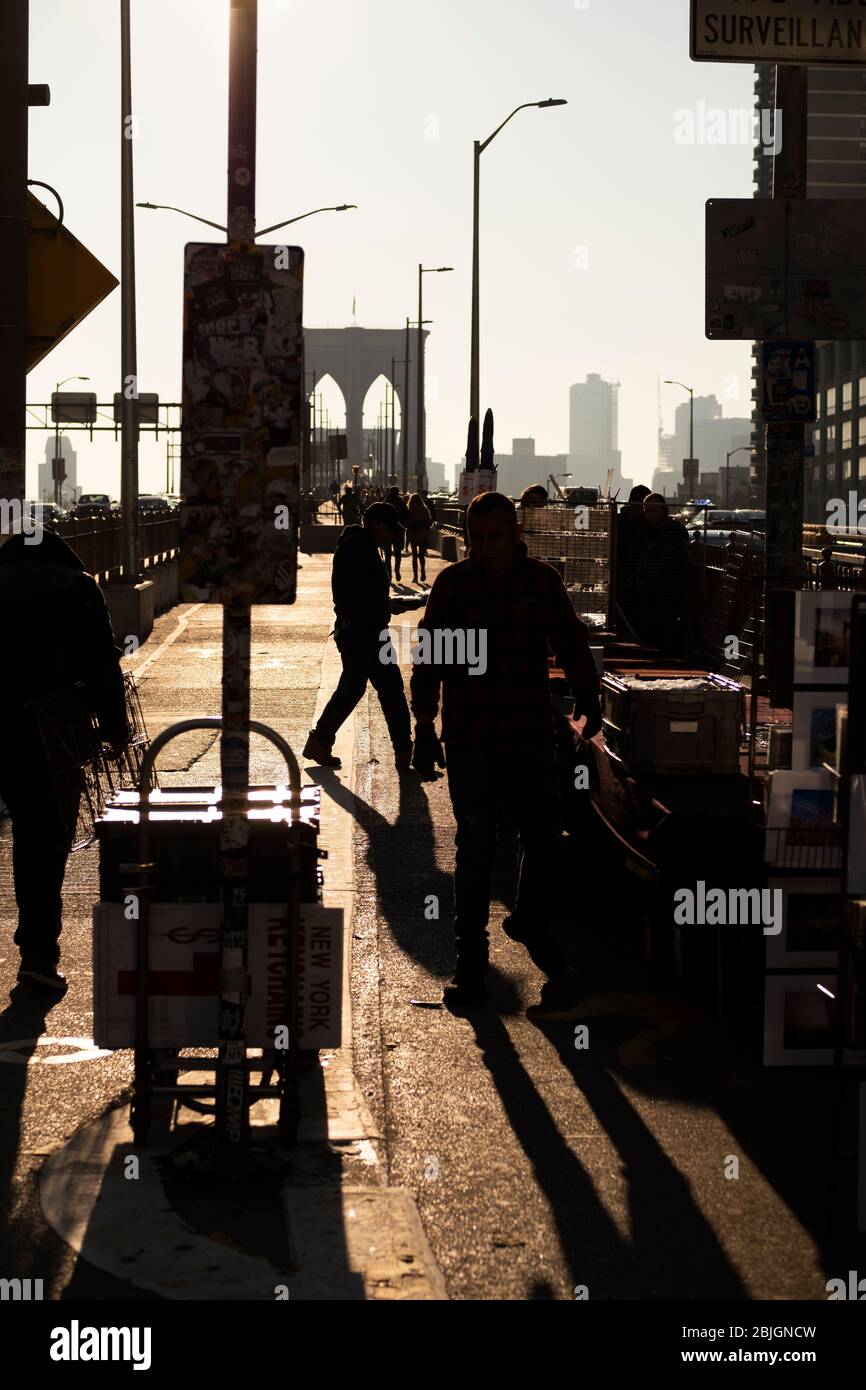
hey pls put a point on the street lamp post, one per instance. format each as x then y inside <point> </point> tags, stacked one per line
<point>691,392</point>
<point>167,207</point>
<point>421,467</point>
<point>475,351</point>
<point>743,449</point>
<point>58,458</point>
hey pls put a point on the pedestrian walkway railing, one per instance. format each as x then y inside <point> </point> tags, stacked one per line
<point>98,541</point>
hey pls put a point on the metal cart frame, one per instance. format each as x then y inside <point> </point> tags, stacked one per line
<point>147,1065</point>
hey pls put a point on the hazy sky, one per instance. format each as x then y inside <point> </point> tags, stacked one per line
<point>592,214</point>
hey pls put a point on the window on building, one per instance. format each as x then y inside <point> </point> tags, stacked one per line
<point>846,434</point>
<point>847,392</point>
<point>863,390</point>
<point>861,430</point>
<point>831,400</point>
<point>830,447</point>
<point>847,469</point>
<point>862,467</point>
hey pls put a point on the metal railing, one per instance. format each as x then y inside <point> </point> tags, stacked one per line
<point>98,541</point>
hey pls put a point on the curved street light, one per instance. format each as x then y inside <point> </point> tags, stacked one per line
<point>475,352</point>
<point>421,434</point>
<point>167,207</point>
<point>691,391</point>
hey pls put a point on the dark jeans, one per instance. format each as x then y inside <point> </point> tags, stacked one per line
<point>395,551</point>
<point>481,785</point>
<point>41,837</point>
<point>359,649</point>
<point>419,553</point>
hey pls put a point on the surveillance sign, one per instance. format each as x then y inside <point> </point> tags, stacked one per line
<point>779,31</point>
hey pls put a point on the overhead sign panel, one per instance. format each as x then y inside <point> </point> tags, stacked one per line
<point>779,31</point>
<point>789,269</point>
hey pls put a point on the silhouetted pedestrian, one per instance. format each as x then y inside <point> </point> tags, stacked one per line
<point>362,603</point>
<point>497,726</point>
<point>56,634</point>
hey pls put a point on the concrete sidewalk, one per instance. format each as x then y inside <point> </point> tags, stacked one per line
<point>535,1169</point>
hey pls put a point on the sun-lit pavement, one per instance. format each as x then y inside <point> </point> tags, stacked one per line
<point>536,1168</point>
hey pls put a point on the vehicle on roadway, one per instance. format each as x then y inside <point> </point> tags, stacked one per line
<point>94,504</point>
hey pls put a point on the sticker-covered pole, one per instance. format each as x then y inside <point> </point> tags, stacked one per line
<point>785,442</point>
<point>232,1095</point>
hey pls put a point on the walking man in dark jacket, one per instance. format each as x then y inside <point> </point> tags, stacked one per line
<point>54,632</point>
<point>497,727</point>
<point>362,603</point>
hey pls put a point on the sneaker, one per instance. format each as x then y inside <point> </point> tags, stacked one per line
<point>403,760</point>
<point>42,975</point>
<point>317,752</point>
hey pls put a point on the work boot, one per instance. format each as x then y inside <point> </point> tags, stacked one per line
<point>42,975</point>
<point>318,752</point>
<point>540,945</point>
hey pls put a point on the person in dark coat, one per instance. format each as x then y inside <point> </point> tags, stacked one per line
<point>362,603</point>
<point>630,535</point>
<point>660,578</point>
<point>394,550</point>
<point>498,728</point>
<point>418,532</point>
<point>55,633</point>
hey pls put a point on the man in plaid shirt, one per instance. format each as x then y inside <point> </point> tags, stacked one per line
<point>497,726</point>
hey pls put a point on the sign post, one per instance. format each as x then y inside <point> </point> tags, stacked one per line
<point>242,439</point>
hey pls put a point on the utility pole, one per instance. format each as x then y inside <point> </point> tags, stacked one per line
<point>421,444</point>
<point>14,42</point>
<point>405,426</point>
<point>785,442</point>
<point>392,474</point>
<point>232,1117</point>
<point>128,349</point>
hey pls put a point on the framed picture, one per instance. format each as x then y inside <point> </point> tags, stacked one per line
<point>814,728</point>
<point>799,1020</point>
<point>801,833</point>
<point>812,921</point>
<point>822,639</point>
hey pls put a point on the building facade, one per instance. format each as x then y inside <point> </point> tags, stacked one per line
<point>523,467</point>
<point>836,168</point>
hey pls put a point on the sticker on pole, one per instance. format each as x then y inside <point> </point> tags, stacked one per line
<point>242,423</point>
<point>789,382</point>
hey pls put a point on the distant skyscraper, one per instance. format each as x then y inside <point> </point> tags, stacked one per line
<point>45,478</point>
<point>593,448</point>
<point>836,168</point>
<point>715,435</point>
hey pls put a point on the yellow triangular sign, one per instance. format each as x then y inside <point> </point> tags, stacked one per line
<point>64,282</point>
